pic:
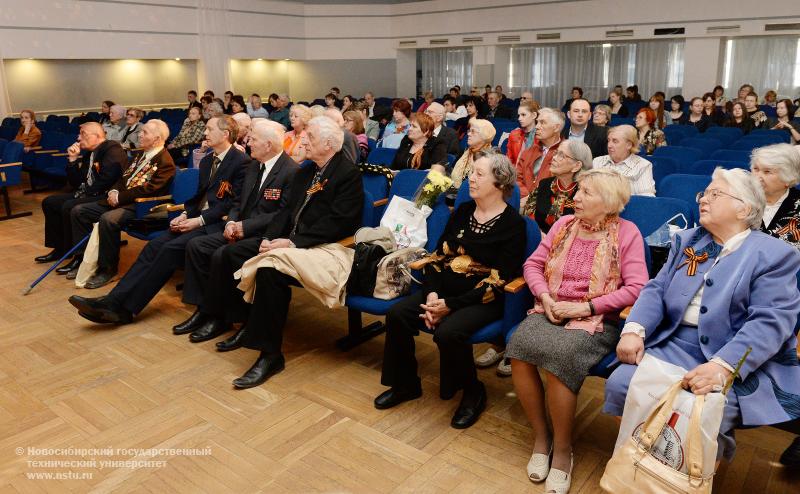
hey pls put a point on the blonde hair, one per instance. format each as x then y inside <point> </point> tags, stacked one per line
<point>629,133</point>
<point>303,112</point>
<point>615,188</point>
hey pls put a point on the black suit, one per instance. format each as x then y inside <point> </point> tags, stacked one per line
<point>501,111</point>
<point>109,161</point>
<point>450,138</point>
<point>595,137</point>
<point>211,260</point>
<point>165,253</point>
<point>328,216</point>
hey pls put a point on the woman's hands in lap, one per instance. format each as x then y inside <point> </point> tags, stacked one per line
<point>703,378</point>
<point>435,310</point>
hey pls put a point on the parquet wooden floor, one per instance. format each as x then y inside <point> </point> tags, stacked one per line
<point>66,383</point>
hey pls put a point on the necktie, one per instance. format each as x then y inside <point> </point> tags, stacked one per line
<point>214,165</point>
<point>252,198</point>
<point>90,174</point>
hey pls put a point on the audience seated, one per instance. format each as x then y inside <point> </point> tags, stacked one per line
<point>105,108</point>
<point>650,136</point>
<point>488,235</point>
<point>243,122</point>
<point>710,109</point>
<point>533,164</point>
<point>428,99</point>
<point>255,109</point>
<point>576,93</point>
<point>348,103</point>
<point>149,175</point>
<point>130,135</point>
<point>758,117</point>
<point>596,137</point>
<point>377,113</point>
<point>237,105</point>
<point>777,169</point>
<point>28,134</point>
<point>444,133</point>
<point>191,97</point>
<point>401,112</point>
<point>601,116</point>
<point>632,93</point>
<point>354,124</point>
<point>719,96</point>
<point>522,138</point>
<point>738,118</point>
<point>91,175</point>
<point>227,102</point>
<point>784,108</point>
<point>623,144</point>
<point>663,117</point>
<point>419,149</point>
<point>496,110</point>
<point>725,287</point>
<point>696,116</point>
<point>770,98</point>
<point>281,112</point>
<point>554,196</point>
<point>350,147</point>
<point>212,259</point>
<point>115,125</point>
<point>371,127</point>
<point>676,108</point>
<point>221,176</point>
<point>191,133</point>
<point>479,138</point>
<point>453,110</point>
<point>585,271</point>
<point>299,116</point>
<point>615,103</point>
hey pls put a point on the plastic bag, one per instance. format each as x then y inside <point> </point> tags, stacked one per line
<point>407,222</point>
<point>662,237</point>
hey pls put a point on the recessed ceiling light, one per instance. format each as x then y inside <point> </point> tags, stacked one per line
<point>260,59</point>
<point>177,59</point>
<point>287,59</point>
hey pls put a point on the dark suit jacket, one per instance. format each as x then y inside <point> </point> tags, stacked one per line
<point>596,138</point>
<point>450,138</point>
<point>502,111</point>
<point>157,178</point>
<point>433,153</point>
<point>109,161</point>
<point>231,170</point>
<point>331,214</point>
<point>272,195</point>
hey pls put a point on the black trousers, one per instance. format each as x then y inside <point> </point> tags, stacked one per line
<point>57,222</point>
<point>209,283</point>
<point>110,222</point>
<point>268,312</point>
<point>154,267</point>
<point>452,336</point>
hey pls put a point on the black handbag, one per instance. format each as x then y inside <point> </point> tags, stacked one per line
<point>365,269</point>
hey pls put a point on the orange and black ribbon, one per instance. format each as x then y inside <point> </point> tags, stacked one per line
<point>224,188</point>
<point>791,228</point>
<point>317,187</point>
<point>692,260</point>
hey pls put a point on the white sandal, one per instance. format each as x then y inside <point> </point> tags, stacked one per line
<point>539,466</point>
<point>489,357</point>
<point>558,481</point>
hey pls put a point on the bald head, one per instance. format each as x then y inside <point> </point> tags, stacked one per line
<point>436,112</point>
<point>91,135</point>
<point>335,115</point>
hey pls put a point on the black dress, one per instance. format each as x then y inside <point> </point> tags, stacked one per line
<point>786,222</point>
<point>475,298</point>
<point>433,153</point>
<point>702,125</point>
<point>746,125</point>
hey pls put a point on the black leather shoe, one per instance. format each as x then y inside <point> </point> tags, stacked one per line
<point>469,410</point>
<point>101,279</point>
<point>72,274</point>
<point>189,325</point>
<point>791,457</point>
<point>231,343</point>
<point>210,330</point>
<point>394,397</point>
<point>73,264</point>
<point>52,256</point>
<point>264,368</point>
<point>100,310</point>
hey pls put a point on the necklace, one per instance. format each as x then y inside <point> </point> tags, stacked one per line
<point>569,188</point>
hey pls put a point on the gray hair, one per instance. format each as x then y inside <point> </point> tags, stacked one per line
<point>581,152</point>
<point>329,131</point>
<point>745,187</point>
<point>504,173</point>
<point>269,130</point>
<point>215,109</point>
<point>605,109</point>
<point>119,109</point>
<point>782,158</point>
<point>553,115</point>
<point>160,127</point>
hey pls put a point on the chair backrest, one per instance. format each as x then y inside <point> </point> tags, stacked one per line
<point>706,145</point>
<point>368,210</point>
<point>727,135</point>
<point>674,134</point>
<point>731,155</point>
<point>13,152</point>
<point>406,183</point>
<point>748,145</point>
<point>3,143</point>
<point>376,184</point>
<point>707,167</point>
<point>685,187</point>
<point>662,166</point>
<point>184,185</point>
<point>382,156</point>
<point>451,160</point>
<point>436,224</point>
<point>649,213</point>
<point>679,153</point>
<point>777,135</point>
<point>463,196</point>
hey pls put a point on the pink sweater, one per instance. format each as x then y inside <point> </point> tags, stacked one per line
<point>633,269</point>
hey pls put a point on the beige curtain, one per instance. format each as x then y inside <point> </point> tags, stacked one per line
<point>213,68</point>
<point>5,102</point>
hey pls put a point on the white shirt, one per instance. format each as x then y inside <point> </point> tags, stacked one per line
<point>259,113</point>
<point>436,131</point>
<point>268,166</point>
<point>636,169</point>
<point>771,210</point>
<point>460,112</point>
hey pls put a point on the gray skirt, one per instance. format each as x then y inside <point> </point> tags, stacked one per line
<point>568,354</point>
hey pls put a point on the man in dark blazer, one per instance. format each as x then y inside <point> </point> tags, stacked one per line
<point>580,114</point>
<point>221,176</point>
<point>324,206</point>
<point>212,259</point>
<point>443,132</point>
<point>149,175</point>
<point>91,176</point>
<point>496,110</point>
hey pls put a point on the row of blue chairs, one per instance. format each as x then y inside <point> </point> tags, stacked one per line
<point>10,175</point>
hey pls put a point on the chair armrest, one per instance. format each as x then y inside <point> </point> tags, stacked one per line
<point>175,207</point>
<point>348,242</point>
<point>8,165</point>
<point>61,154</point>
<point>515,285</point>
<point>148,199</point>
<point>34,148</point>
<point>46,151</point>
<point>625,312</point>
<point>380,202</point>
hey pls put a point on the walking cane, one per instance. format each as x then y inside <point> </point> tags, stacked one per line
<point>55,265</point>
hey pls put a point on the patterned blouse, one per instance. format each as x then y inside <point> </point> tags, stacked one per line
<point>785,225</point>
<point>653,139</point>
<point>549,202</point>
<point>190,133</point>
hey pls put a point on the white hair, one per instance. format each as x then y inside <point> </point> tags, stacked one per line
<point>329,131</point>
<point>242,118</point>
<point>554,116</point>
<point>119,109</point>
<point>580,152</point>
<point>269,130</point>
<point>782,158</point>
<point>160,127</point>
<point>745,186</point>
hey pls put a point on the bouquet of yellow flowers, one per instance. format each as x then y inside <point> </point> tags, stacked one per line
<point>428,192</point>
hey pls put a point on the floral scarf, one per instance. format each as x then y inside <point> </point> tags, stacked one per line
<point>605,277</point>
<point>463,166</point>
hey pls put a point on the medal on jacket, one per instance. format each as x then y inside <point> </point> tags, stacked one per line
<point>791,229</point>
<point>272,194</point>
<point>692,260</point>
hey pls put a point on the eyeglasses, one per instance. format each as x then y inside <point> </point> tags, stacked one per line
<point>712,195</point>
<point>561,156</point>
<point>131,115</point>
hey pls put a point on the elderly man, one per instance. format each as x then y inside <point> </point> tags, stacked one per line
<point>496,110</point>
<point>244,122</point>
<point>350,144</point>
<point>534,162</point>
<point>91,176</point>
<point>221,176</point>
<point>115,127</point>
<point>281,113</point>
<point>449,136</point>
<point>580,112</point>
<point>526,96</point>
<point>255,109</point>
<point>212,259</point>
<point>149,175</point>
<point>325,205</point>
<point>376,112</point>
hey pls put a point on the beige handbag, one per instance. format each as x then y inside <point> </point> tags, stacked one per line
<point>633,470</point>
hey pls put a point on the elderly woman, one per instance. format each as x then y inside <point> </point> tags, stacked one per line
<point>650,136</point>
<point>533,164</point>
<point>28,134</point>
<point>479,138</point>
<point>601,115</point>
<point>401,113</point>
<point>623,144</point>
<point>299,116</point>
<point>130,136</point>
<point>777,168</point>
<point>522,138</point>
<point>725,287</point>
<point>481,249</point>
<point>615,103</point>
<point>354,123</point>
<point>115,126</point>
<point>191,133</point>
<point>554,197</point>
<point>784,122</point>
<point>420,150</point>
<point>586,270</point>
<point>371,128</point>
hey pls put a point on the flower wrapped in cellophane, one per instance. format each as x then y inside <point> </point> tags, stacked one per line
<point>427,194</point>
